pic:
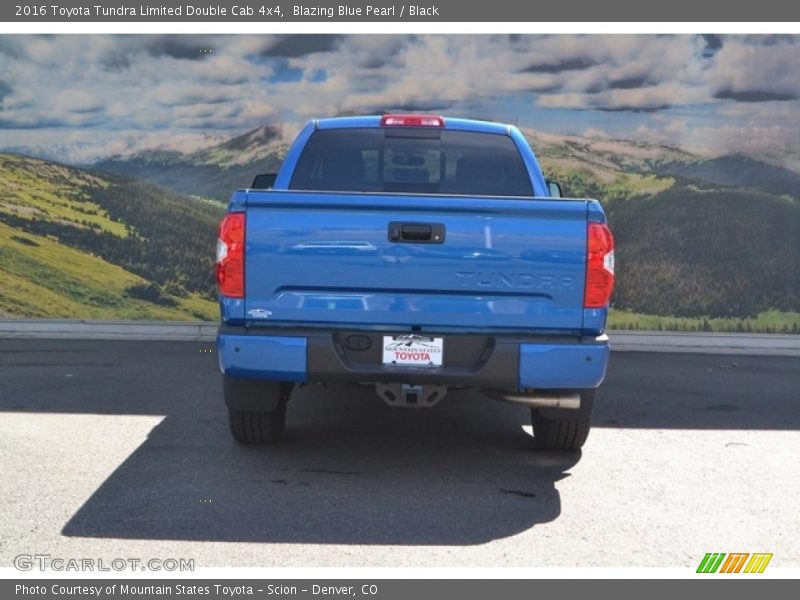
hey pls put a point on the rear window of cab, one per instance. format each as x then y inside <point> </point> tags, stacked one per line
<point>411,160</point>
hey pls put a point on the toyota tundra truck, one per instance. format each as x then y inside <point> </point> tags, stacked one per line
<point>414,254</point>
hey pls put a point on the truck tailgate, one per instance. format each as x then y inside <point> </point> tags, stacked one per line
<point>329,259</point>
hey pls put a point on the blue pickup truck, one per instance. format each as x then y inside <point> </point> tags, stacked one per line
<point>414,254</point>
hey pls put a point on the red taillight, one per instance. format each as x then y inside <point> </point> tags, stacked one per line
<point>412,121</point>
<point>230,256</point>
<point>599,266</point>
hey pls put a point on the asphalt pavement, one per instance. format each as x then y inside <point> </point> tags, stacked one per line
<point>121,449</point>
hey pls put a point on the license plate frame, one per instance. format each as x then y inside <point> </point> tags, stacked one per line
<point>413,350</point>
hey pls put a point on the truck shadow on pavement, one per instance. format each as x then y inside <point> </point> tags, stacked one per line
<point>350,471</point>
<point>353,471</point>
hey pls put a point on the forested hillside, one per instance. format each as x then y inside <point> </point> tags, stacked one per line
<point>694,252</point>
<point>155,244</point>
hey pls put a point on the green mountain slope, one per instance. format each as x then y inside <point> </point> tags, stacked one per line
<point>700,242</point>
<point>605,169</point>
<point>75,243</point>
<point>739,171</point>
<point>211,173</point>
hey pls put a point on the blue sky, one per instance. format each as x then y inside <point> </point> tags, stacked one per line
<point>80,98</point>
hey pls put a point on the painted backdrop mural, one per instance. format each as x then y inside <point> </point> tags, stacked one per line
<point>117,154</point>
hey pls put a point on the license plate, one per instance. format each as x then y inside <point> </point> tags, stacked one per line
<point>413,350</point>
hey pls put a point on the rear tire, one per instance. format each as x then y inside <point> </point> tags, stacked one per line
<point>258,427</point>
<point>256,409</point>
<point>562,429</point>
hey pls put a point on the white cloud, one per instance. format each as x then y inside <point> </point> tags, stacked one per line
<point>162,88</point>
<point>742,66</point>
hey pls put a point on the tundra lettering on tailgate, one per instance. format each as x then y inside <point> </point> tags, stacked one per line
<point>495,279</point>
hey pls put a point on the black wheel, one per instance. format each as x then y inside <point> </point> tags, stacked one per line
<point>256,409</point>
<point>258,427</point>
<point>561,428</point>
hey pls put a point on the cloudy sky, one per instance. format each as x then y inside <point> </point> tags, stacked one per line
<point>83,97</point>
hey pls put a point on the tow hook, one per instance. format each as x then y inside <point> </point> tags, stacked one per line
<point>411,396</point>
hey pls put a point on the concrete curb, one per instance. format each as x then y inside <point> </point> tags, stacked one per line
<point>179,331</point>
<point>200,331</point>
<point>706,343</point>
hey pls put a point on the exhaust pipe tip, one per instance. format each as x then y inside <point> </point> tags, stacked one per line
<point>539,398</point>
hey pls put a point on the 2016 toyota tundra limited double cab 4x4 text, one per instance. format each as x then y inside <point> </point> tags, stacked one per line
<point>414,254</point>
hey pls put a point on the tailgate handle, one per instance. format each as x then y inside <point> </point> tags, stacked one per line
<point>416,233</point>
